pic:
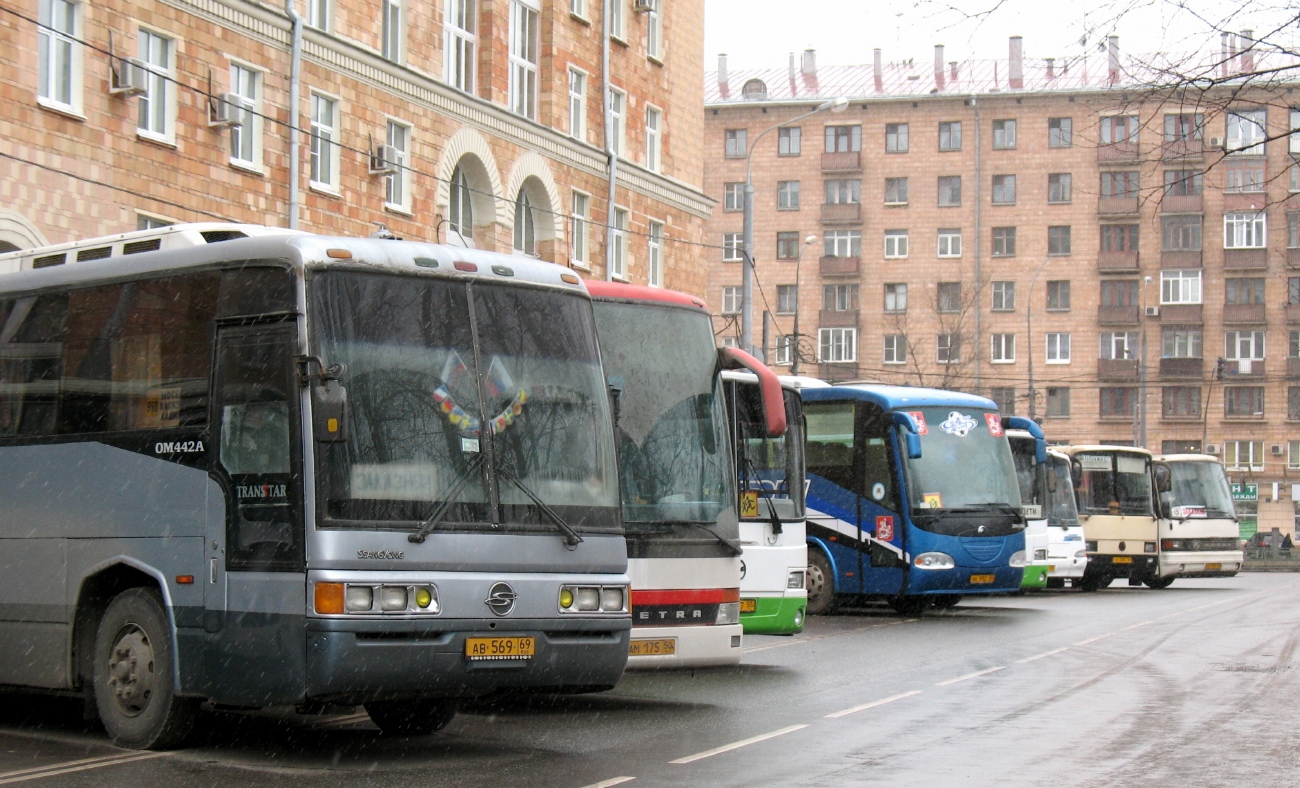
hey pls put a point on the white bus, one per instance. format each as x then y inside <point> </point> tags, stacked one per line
<point>1067,558</point>
<point>1199,534</point>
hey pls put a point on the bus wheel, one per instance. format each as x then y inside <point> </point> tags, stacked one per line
<point>946,602</point>
<point>910,606</point>
<point>133,681</point>
<point>411,717</point>
<point>821,583</point>
<point>1159,582</point>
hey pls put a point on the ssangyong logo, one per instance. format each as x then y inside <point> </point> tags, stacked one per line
<point>501,599</point>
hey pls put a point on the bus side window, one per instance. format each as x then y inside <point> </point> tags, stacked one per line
<point>830,443</point>
<point>877,465</point>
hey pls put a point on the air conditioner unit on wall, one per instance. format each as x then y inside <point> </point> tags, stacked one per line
<point>383,161</point>
<point>1153,311</point>
<point>1213,448</point>
<point>643,5</point>
<point>128,77</point>
<point>223,111</point>
<point>1278,450</point>
<point>1214,142</point>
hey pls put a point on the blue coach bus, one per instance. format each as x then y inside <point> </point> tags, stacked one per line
<point>912,498</point>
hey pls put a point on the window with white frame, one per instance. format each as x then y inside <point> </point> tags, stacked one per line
<point>731,300</point>
<point>392,36</point>
<point>1243,345</point>
<point>1243,455</point>
<point>789,141</point>
<point>246,138</point>
<point>950,242</point>
<point>578,8</point>
<point>950,135</point>
<point>397,193</point>
<point>655,254</point>
<point>618,237</point>
<point>842,243</point>
<point>59,80</point>
<point>733,197</point>
<point>731,341</point>
<point>577,104</point>
<point>784,355</point>
<point>1058,348</point>
<point>319,14</point>
<point>460,44</point>
<point>525,240</point>
<point>654,119</point>
<point>787,299</point>
<point>1180,343</point>
<point>895,191</point>
<point>324,142</point>
<point>837,345</point>
<point>787,195</point>
<point>1004,296</point>
<point>461,208</point>
<point>1180,286</point>
<point>578,224</point>
<point>843,191</point>
<point>1119,345</point>
<point>617,10</point>
<point>947,348</point>
<point>617,102</point>
<point>733,247</point>
<point>1244,230</point>
<point>1004,349</point>
<point>1246,132</point>
<point>895,244</point>
<point>895,349</point>
<point>523,58</point>
<point>1293,459</point>
<point>146,222</point>
<point>896,297</point>
<point>654,33</point>
<point>896,138</point>
<point>156,104</point>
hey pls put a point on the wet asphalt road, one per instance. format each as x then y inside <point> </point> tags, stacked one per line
<point>1194,685</point>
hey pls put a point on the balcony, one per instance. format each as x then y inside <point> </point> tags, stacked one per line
<point>1244,201</point>
<point>1117,369</point>
<point>1293,314</point>
<point>1236,368</point>
<point>839,266</point>
<point>1293,368</point>
<point>838,318</point>
<point>1244,313</point>
<point>1117,206</point>
<point>842,160</point>
<point>1117,152</point>
<point>1179,150</point>
<point>1244,259</point>
<point>1180,258</point>
<point>1117,315</point>
<point>1181,367</point>
<point>842,212</point>
<point>1180,314</point>
<point>1117,262</point>
<point>1182,203</point>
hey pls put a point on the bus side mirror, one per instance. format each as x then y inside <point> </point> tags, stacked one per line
<point>329,410</point>
<point>1164,478</point>
<point>1030,426</point>
<point>615,399</point>
<point>913,439</point>
<point>768,384</point>
<point>1051,481</point>
<point>1166,509</point>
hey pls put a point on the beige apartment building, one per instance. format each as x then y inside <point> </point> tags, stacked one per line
<point>1048,226</point>
<point>466,121</point>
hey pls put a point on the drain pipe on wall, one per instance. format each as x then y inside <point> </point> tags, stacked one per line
<point>979,299</point>
<point>606,23</point>
<point>295,86</point>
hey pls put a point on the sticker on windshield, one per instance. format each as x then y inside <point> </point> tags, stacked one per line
<point>995,424</point>
<point>1185,512</point>
<point>933,500</point>
<point>749,503</point>
<point>958,424</point>
<point>1094,462</point>
<point>878,491</point>
<point>919,418</point>
<point>469,445</point>
<point>885,528</point>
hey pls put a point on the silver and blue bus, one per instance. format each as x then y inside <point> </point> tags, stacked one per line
<point>912,498</point>
<point>295,470</point>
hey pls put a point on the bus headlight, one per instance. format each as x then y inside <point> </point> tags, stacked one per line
<point>360,599</point>
<point>593,599</point>
<point>611,600</point>
<point>795,579</point>
<point>728,613</point>
<point>1090,546</point>
<point>1081,554</point>
<point>934,561</point>
<point>1017,559</point>
<point>392,598</point>
<point>1040,555</point>
<point>1149,547</point>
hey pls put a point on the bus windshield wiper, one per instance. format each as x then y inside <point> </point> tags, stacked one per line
<point>571,538</point>
<point>772,516</point>
<point>735,547</point>
<point>428,525</point>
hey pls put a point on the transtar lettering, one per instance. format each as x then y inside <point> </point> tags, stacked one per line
<point>261,491</point>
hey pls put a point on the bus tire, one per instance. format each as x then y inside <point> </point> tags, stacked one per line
<point>133,679</point>
<point>821,583</point>
<point>910,606</point>
<point>1159,582</point>
<point>411,717</point>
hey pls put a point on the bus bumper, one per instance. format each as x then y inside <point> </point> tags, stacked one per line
<point>694,647</point>
<point>1224,563</point>
<point>1035,576</point>
<point>775,615</point>
<point>965,580</point>
<point>1114,566</point>
<point>356,661</point>
<point>1063,566</point>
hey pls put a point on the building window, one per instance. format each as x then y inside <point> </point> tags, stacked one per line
<point>578,224</point>
<point>1058,295</point>
<point>1246,132</point>
<point>318,14</point>
<point>1118,401</point>
<point>895,244</point>
<point>324,150</point>
<point>523,59</point>
<point>837,345</point>
<point>1293,345</point>
<point>1058,348</point>
<point>1058,240</point>
<point>843,139</point>
<point>461,208</point>
<point>1184,183</point>
<point>618,237</point>
<point>789,141</point>
<point>1004,296</point>
<point>1119,238</point>
<point>1243,345</point>
<point>655,254</point>
<point>653,137</point>
<point>1244,176</point>
<point>1059,187</point>
<point>1180,402</point>
<point>950,242</point>
<point>784,355</point>
<point>733,197</point>
<point>396,191</point>
<point>1119,128</point>
<point>949,190</point>
<point>731,300</point>
<point>896,138</point>
<point>59,55</point>
<point>843,192</point>
<point>577,104</point>
<point>787,245</point>
<point>1004,134</point>
<point>1243,401</point>
<point>1060,132</point>
<point>1293,462</point>
<point>1058,403</point>
<point>525,226</point>
<point>1004,349</point>
<point>843,243</point>
<point>146,222</point>
<point>735,143</point>
<point>1243,455</point>
<point>895,191</point>
<point>460,45</point>
<point>617,18</point>
<point>947,348</point>
<point>1119,292</point>
<point>732,247</point>
<point>1244,291</point>
<point>950,136</point>
<point>1180,128</point>
<point>1180,343</point>
<point>1293,230</point>
<point>155,104</point>
<point>246,138</point>
<point>1004,241</point>
<point>1181,233</point>
<point>1244,230</point>
<point>1004,190</point>
<point>896,297</point>
<point>617,101</point>
<point>1293,403</point>
<point>895,349</point>
<point>949,297</point>
<point>1294,147</point>
<point>654,33</point>
<point>1005,398</point>
<point>1119,345</point>
<point>787,299</point>
<point>1119,184</point>
<point>1293,291</point>
<point>391,38</point>
<point>787,195</point>
<point>839,298</point>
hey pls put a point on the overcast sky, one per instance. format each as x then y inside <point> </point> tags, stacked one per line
<point>760,33</point>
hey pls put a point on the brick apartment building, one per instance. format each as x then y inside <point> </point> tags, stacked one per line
<point>491,111</point>
<point>972,215</point>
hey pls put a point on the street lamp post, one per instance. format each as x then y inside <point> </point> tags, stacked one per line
<point>1142,370</point>
<point>794,339</point>
<point>747,264</point>
<point>1029,335</point>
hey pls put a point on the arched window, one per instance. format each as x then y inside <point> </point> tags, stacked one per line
<point>525,229</point>
<point>461,208</point>
<point>754,89</point>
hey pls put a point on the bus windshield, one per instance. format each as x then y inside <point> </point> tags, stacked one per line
<point>1024,453</point>
<point>1200,490</point>
<point>1114,483</point>
<point>1060,506</point>
<point>769,464</point>
<point>444,398</point>
<point>965,462</point>
<point>673,455</point>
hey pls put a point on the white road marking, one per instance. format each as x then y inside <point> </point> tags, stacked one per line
<point>339,722</point>
<point>872,705</point>
<point>798,640</point>
<point>1135,626</point>
<point>737,745</point>
<point>610,782</point>
<point>1044,654</point>
<point>969,676</point>
<point>68,767</point>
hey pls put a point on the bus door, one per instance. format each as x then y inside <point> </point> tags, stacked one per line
<point>880,512</point>
<point>254,566</point>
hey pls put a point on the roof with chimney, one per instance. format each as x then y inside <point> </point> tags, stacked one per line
<point>802,80</point>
